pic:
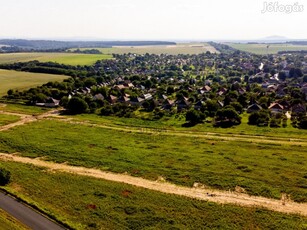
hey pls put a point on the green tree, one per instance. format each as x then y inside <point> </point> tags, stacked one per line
<point>260,118</point>
<point>227,117</point>
<point>194,116</point>
<point>77,105</point>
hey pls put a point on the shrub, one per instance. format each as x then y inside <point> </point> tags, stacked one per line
<point>5,177</point>
<point>77,105</point>
<point>261,118</point>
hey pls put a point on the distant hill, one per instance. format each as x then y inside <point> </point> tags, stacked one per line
<point>276,38</point>
<point>48,44</point>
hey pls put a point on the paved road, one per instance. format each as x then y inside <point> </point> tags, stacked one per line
<point>26,215</point>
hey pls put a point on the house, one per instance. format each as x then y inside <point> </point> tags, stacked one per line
<point>120,87</point>
<point>98,97</point>
<point>206,89</point>
<point>183,104</point>
<point>129,85</point>
<point>254,108</point>
<point>112,99</point>
<point>147,96</point>
<point>123,99</point>
<point>168,104</point>
<point>276,108</point>
<point>51,102</point>
<point>220,103</point>
<point>137,101</point>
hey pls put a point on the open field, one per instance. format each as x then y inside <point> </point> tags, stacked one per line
<point>183,48</point>
<point>265,169</point>
<point>175,123</point>
<point>62,58</point>
<point>22,109</point>
<point>22,80</point>
<point>7,119</point>
<point>7,222</point>
<point>262,48</point>
<point>110,205</point>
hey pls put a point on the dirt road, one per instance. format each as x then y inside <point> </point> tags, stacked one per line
<point>217,196</point>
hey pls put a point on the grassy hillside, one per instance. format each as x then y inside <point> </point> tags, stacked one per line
<point>184,48</point>
<point>87,203</point>
<point>22,80</point>
<point>262,48</point>
<point>62,58</point>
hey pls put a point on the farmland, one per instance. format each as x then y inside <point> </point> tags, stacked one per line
<point>262,47</point>
<point>182,48</point>
<point>110,205</point>
<point>62,58</point>
<point>265,169</point>
<point>23,80</point>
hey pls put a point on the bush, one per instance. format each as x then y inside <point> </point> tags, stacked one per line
<point>5,177</point>
<point>77,105</point>
<point>227,117</point>
<point>194,116</point>
<point>302,124</point>
<point>261,118</point>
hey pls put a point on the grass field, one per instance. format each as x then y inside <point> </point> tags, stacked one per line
<point>62,58</point>
<point>109,205</point>
<point>22,80</point>
<point>175,123</point>
<point>7,119</point>
<point>7,222</point>
<point>262,169</point>
<point>262,48</point>
<point>184,48</point>
<point>23,109</point>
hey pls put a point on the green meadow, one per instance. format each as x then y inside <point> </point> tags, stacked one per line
<point>261,48</point>
<point>10,79</point>
<point>264,169</point>
<point>87,203</point>
<point>62,58</point>
<point>7,119</point>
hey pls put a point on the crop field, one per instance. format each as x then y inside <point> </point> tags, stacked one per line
<point>22,80</point>
<point>266,169</point>
<point>262,48</point>
<point>10,223</point>
<point>184,48</point>
<point>110,205</point>
<point>62,58</point>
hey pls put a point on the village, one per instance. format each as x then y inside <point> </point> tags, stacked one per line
<point>170,84</point>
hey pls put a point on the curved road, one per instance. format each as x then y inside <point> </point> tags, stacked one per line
<point>26,215</point>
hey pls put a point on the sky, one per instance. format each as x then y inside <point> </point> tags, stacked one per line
<point>151,20</point>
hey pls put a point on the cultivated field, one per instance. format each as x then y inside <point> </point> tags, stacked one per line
<point>262,48</point>
<point>62,58</point>
<point>184,48</point>
<point>22,80</point>
<point>260,165</point>
<point>110,205</point>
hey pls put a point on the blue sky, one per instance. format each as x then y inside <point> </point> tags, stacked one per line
<point>148,20</point>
